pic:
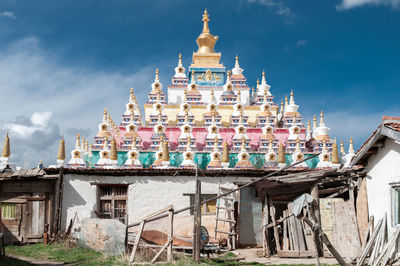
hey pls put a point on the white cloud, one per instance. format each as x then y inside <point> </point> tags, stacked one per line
<point>348,4</point>
<point>8,14</point>
<point>46,98</point>
<point>302,42</point>
<point>277,6</point>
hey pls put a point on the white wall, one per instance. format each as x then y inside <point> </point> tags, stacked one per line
<point>146,194</point>
<point>383,168</point>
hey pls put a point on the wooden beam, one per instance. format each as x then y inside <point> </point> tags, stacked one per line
<point>161,250</point>
<point>136,245</point>
<point>316,208</point>
<point>170,235</point>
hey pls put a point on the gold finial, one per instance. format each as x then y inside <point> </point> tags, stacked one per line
<point>281,153</point>
<point>189,143</point>
<point>113,152</point>
<point>157,78</point>
<point>165,152</point>
<point>225,153</point>
<point>83,143</point>
<point>6,147</point>
<point>237,62</point>
<point>351,147</point>
<point>180,60</point>
<point>308,126</point>
<point>61,150</point>
<point>243,148</point>
<point>216,143</point>
<point>335,155</point>
<point>342,147</point>
<point>282,108</point>
<point>258,84</point>
<point>205,20</point>
<point>321,121</point>
<point>77,143</point>
<point>131,95</point>
<point>263,80</point>
<point>315,122</point>
<point>105,116</point>
<point>291,97</point>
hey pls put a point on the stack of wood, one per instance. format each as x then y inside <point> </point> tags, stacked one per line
<point>380,250</point>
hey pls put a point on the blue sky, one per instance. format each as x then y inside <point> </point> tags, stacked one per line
<point>63,61</point>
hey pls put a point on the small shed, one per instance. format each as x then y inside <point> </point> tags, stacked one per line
<point>27,204</point>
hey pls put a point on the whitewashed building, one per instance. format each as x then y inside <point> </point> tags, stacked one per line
<point>381,155</point>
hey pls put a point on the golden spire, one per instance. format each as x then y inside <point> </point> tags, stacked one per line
<point>321,121</point>
<point>291,97</point>
<point>263,80</point>
<point>286,102</point>
<point>282,108</point>
<point>180,60</point>
<point>83,143</point>
<point>189,143</point>
<point>6,147</point>
<point>342,147</point>
<point>308,126</point>
<point>131,95</point>
<point>113,152</point>
<point>237,62</point>
<point>206,41</point>
<point>258,84</point>
<point>61,150</point>
<point>243,148</point>
<point>157,77</point>
<point>225,153</point>
<point>315,122</point>
<point>351,147</point>
<point>335,155</point>
<point>216,143</point>
<point>281,154</point>
<point>87,146</point>
<point>77,143</point>
<point>165,152</point>
<point>105,116</point>
<point>228,77</point>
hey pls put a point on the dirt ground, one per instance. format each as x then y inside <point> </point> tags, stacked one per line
<point>254,255</point>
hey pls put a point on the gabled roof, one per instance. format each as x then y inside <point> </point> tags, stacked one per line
<point>389,128</point>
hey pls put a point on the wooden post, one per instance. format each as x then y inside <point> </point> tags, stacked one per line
<point>266,246</point>
<point>136,245</point>
<point>316,212</point>
<point>272,213</point>
<point>351,190</point>
<point>170,235</point>
<point>197,221</point>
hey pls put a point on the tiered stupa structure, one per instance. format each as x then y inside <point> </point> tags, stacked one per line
<point>209,117</point>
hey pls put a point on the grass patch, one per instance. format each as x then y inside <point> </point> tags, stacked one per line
<point>61,253</point>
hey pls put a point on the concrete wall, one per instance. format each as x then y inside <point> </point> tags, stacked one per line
<point>145,195</point>
<point>383,169</point>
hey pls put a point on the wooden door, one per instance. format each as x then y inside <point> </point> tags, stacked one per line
<point>35,219</point>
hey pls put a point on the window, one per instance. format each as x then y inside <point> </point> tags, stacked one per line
<point>396,205</point>
<point>206,208</point>
<point>8,210</point>
<point>112,202</point>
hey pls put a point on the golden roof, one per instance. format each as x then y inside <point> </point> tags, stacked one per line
<point>114,154</point>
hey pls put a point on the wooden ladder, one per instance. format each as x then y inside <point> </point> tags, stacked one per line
<point>229,217</point>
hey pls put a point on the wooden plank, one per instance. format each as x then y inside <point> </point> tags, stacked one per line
<point>387,250</point>
<point>296,253</point>
<point>369,245</point>
<point>170,234</point>
<point>345,231</point>
<point>266,246</point>
<point>285,233</point>
<point>317,210</point>
<point>272,214</point>
<point>165,209</point>
<point>136,245</point>
<point>300,234</point>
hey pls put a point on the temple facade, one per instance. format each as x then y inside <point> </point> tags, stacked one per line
<point>208,117</point>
